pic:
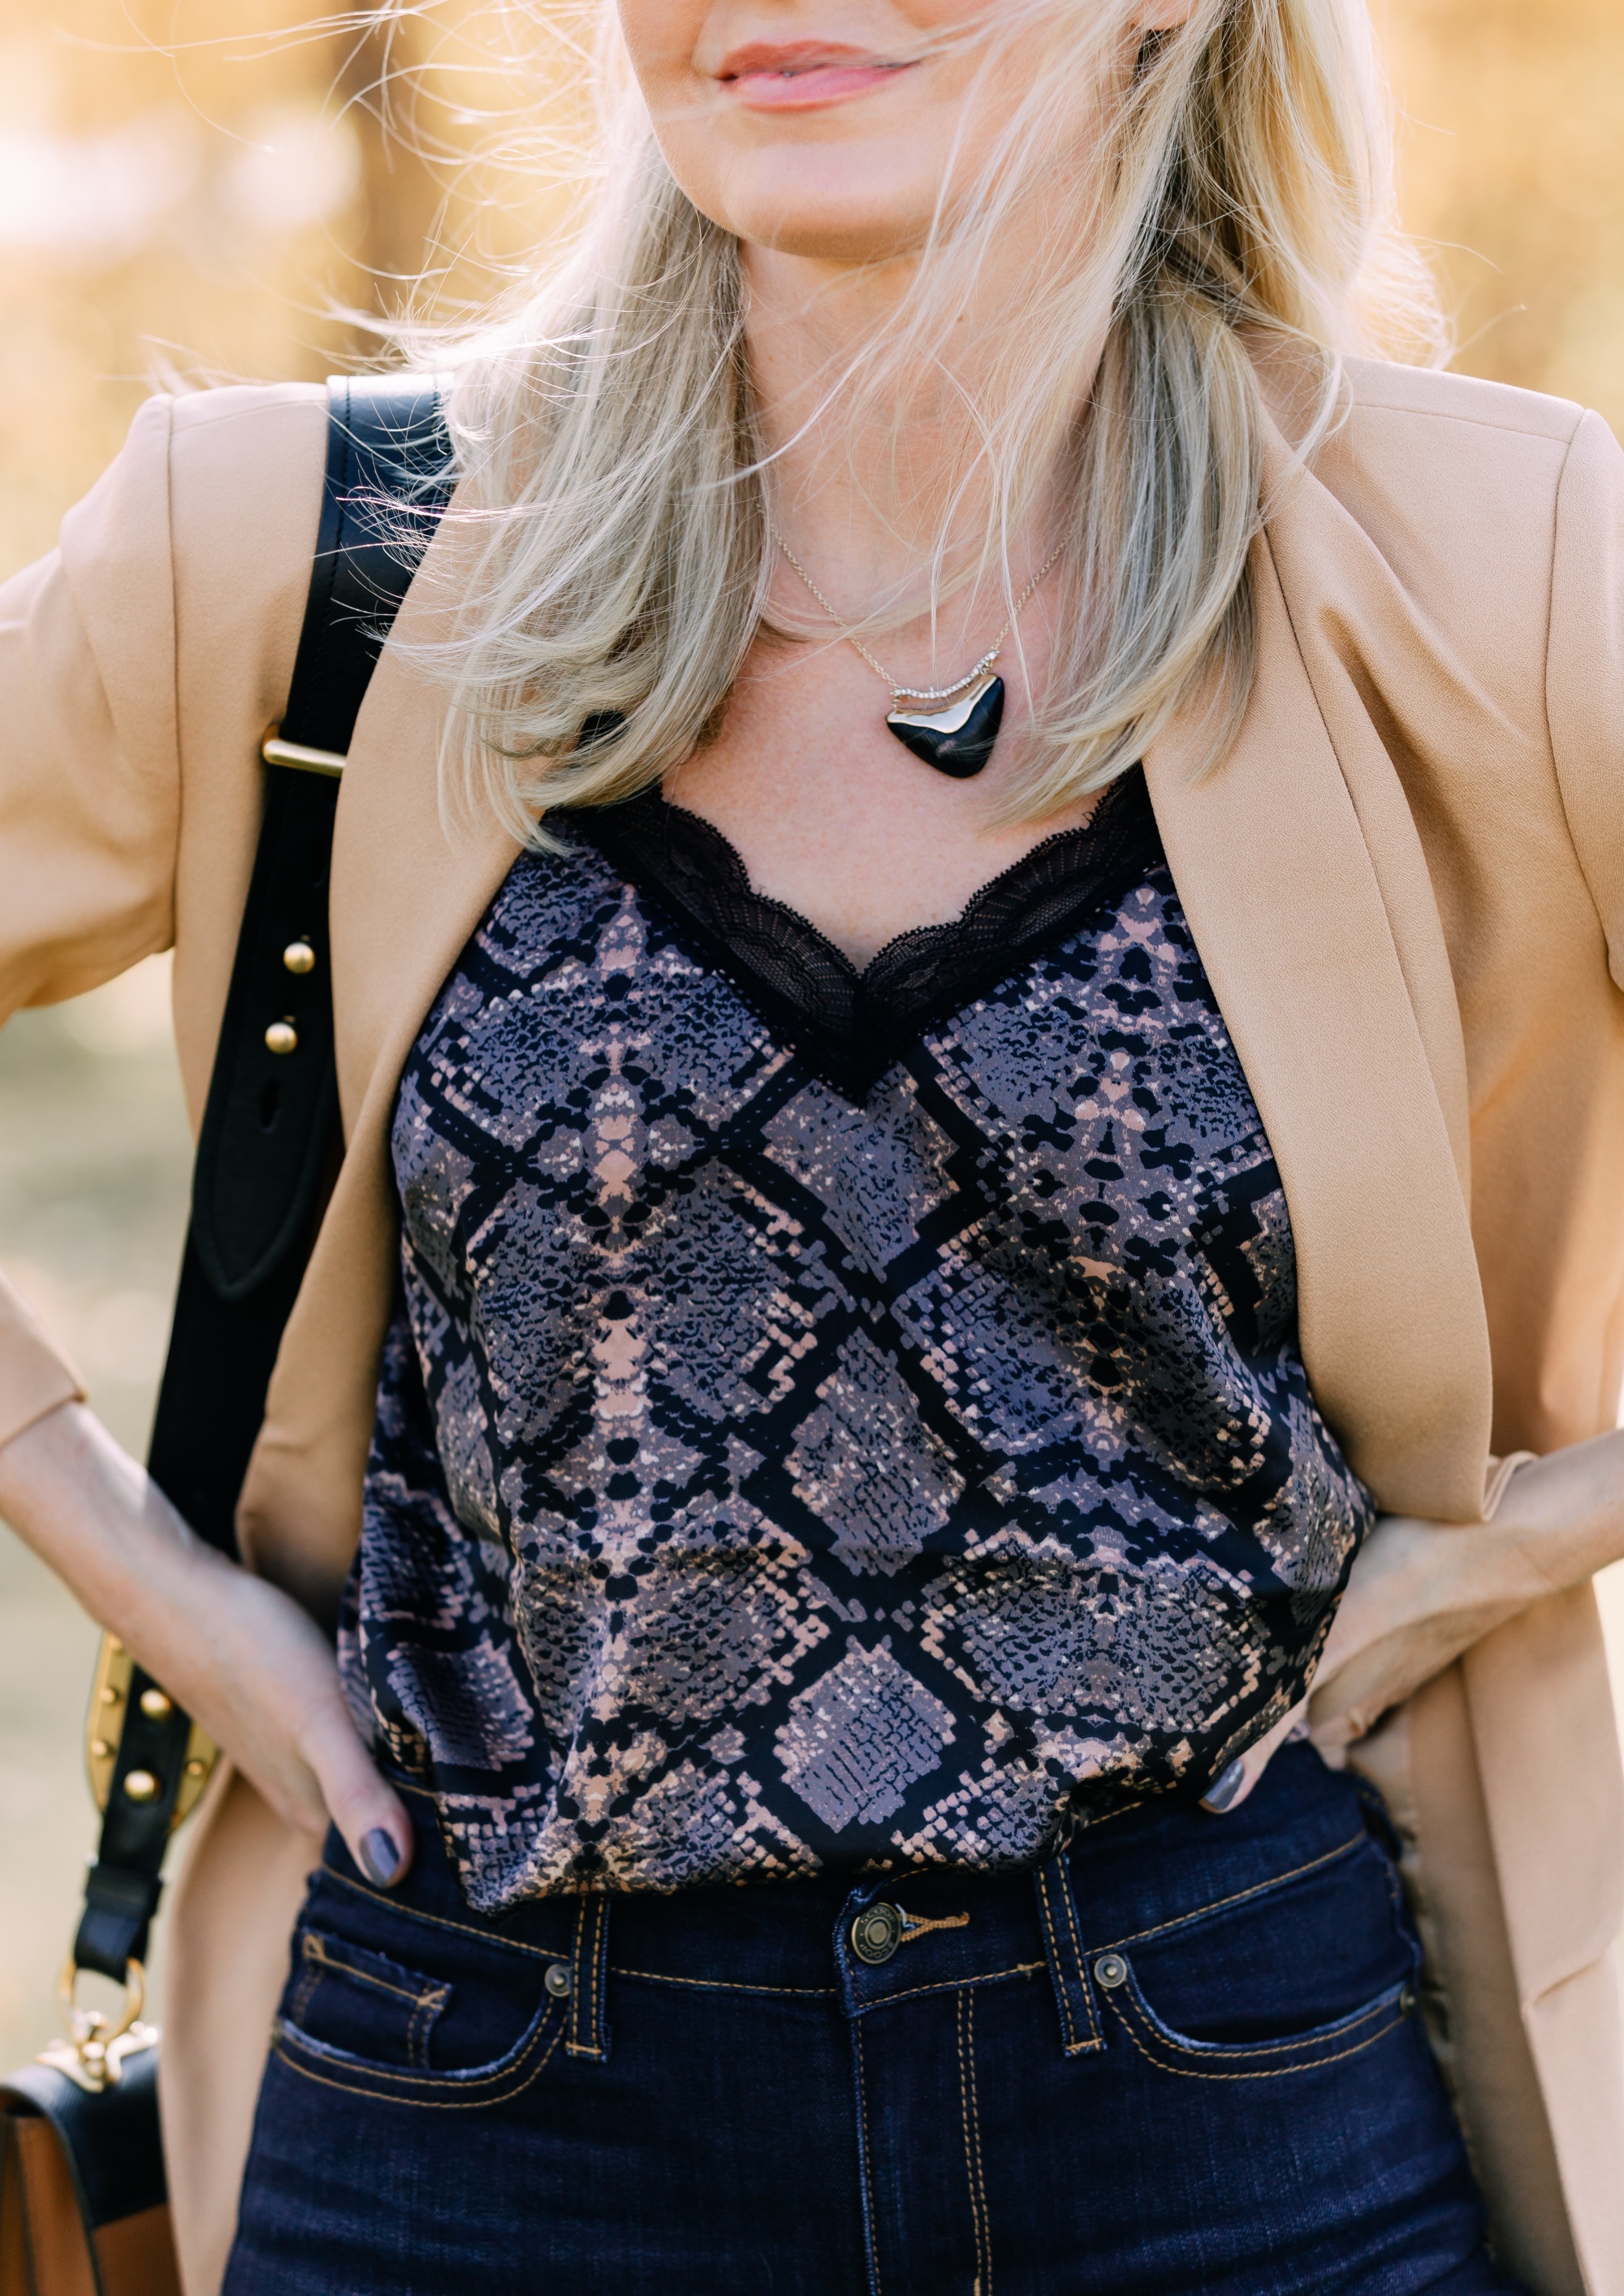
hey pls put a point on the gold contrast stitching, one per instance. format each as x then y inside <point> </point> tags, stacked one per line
<point>917,1925</point>
<point>873,2227</point>
<point>1258,2048</point>
<point>424,2103</point>
<point>972,2143</point>
<point>1084,1988</point>
<point>723,1985</point>
<point>577,2010</point>
<point>438,1921</point>
<point>315,1950</point>
<point>1276,1882</point>
<point>423,2022</point>
<point>1268,2072</point>
<point>950,1985</point>
<point>595,2015</point>
<point>1053,1942</point>
<point>496,2079</point>
<point>483,2080</point>
<point>311,1978</point>
<point>573,2044</point>
<point>592,1910</point>
<point>1268,2048</point>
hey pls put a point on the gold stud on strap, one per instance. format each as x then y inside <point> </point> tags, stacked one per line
<point>281,1037</point>
<point>298,956</point>
<point>110,1705</point>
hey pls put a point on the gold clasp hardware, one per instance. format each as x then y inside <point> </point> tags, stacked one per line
<point>110,1698</point>
<point>93,2056</point>
<point>275,751</point>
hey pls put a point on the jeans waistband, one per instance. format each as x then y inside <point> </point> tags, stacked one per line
<point>873,1940</point>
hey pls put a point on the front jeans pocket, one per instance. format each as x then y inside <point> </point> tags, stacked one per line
<point>1304,1970</point>
<point>362,2002</point>
<point>387,2004</point>
<point>494,2083</point>
<point>1173,2052</point>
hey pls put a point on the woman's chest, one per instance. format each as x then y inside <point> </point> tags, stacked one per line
<point>633,1141</point>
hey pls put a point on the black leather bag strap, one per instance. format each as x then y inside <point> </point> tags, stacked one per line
<point>270,1134</point>
<point>269,1127</point>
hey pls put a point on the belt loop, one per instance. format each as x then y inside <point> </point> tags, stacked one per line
<point>589,1978</point>
<point>1062,1947</point>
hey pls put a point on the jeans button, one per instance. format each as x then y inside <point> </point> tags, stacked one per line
<point>557,1980</point>
<point>876,1933</point>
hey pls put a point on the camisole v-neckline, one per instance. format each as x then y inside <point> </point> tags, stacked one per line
<point>851,1022</point>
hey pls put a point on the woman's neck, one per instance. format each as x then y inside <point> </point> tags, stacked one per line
<point>868,488</point>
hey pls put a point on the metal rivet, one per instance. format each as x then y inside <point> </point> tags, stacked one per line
<point>298,956</point>
<point>99,1749</point>
<point>558,1980</point>
<point>876,1933</point>
<point>281,1037</point>
<point>111,1695</point>
<point>196,1769</point>
<point>1406,2001</point>
<point>1111,1969</point>
<point>156,1705</point>
<point>141,1785</point>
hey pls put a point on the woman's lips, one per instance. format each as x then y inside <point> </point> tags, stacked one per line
<point>801,75</point>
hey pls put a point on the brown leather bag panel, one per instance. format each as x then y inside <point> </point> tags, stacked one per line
<point>135,2257</point>
<point>42,2247</point>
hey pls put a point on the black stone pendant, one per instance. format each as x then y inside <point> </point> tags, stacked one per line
<point>957,737</point>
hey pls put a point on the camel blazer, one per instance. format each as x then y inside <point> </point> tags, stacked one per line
<point>1406,881</point>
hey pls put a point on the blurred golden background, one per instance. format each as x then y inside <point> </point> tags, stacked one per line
<point>210,189</point>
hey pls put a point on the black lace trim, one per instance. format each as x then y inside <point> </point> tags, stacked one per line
<point>851,1023</point>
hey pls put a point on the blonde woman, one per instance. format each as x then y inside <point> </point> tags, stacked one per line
<point>971,927</point>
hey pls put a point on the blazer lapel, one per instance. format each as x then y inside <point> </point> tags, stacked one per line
<point>1343,1016</point>
<point>406,892</point>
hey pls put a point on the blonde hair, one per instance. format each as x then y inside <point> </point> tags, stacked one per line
<point>614,486</point>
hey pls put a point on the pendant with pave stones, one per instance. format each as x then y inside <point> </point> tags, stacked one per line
<point>953,727</point>
<point>956,727</point>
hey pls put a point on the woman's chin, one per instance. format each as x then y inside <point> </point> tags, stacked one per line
<point>829,243</point>
<point>827,215</point>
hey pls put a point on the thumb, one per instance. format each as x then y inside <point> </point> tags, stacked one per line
<point>1232,1785</point>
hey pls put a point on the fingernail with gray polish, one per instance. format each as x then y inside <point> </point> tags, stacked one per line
<point>381,1860</point>
<point>1220,1793</point>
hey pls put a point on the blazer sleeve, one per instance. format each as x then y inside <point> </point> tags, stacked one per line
<point>1584,667</point>
<point>89,788</point>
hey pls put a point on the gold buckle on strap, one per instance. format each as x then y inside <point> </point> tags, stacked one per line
<point>93,2055</point>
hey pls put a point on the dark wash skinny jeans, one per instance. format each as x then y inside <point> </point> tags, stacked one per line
<point>1183,2057</point>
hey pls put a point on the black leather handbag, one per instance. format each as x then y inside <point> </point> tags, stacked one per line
<point>82,2204</point>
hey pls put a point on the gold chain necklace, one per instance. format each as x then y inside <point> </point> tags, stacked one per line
<point>956,731</point>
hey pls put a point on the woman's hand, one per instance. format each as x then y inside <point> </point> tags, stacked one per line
<point>238,1654</point>
<point>1420,1593</point>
